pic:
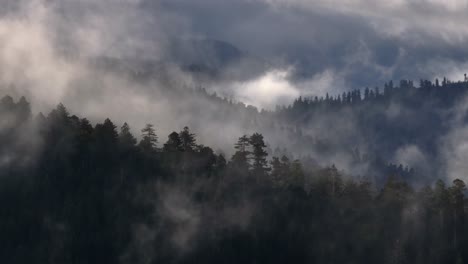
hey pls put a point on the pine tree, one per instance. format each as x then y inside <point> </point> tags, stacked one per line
<point>126,138</point>
<point>242,144</point>
<point>366,93</point>
<point>106,142</point>
<point>187,140</point>
<point>108,130</point>
<point>241,158</point>
<point>59,116</point>
<point>23,109</point>
<point>220,163</point>
<point>149,139</point>
<point>86,130</point>
<point>276,170</point>
<point>458,202</point>
<point>296,173</point>
<point>173,143</point>
<point>260,164</point>
<point>7,103</point>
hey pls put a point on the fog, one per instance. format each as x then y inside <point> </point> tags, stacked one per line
<point>140,61</point>
<point>226,69</point>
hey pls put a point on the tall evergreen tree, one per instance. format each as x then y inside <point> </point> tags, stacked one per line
<point>173,143</point>
<point>149,139</point>
<point>187,140</point>
<point>126,138</point>
<point>106,138</point>
<point>241,158</point>
<point>259,154</point>
<point>23,109</point>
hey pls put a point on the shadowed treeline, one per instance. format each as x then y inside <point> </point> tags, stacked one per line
<point>72,192</point>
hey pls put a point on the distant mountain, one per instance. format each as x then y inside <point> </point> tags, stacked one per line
<point>215,60</point>
<point>206,60</point>
<point>369,133</point>
<point>209,53</point>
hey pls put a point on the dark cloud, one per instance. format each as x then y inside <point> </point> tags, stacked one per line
<point>318,46</point>
<point>364,42</point>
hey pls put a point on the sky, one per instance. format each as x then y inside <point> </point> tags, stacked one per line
<point>359,42</point>
<point>304,47</point>
<point>264,53</point>
<point>285,49</point>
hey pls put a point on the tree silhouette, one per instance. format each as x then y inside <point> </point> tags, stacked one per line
<point>259,154</point>
<point>90,195</point>
<point>125,136</point>
<point>174,143</point>
<point>149,139</point>
<point>187,140</point>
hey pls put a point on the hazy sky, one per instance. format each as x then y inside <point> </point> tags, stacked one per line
<point>290,47</point>
<point>310,46</point>
<point>361,41</point>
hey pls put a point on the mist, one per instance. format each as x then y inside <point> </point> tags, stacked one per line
<point>285,131</point>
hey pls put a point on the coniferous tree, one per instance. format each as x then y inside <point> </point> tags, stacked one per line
<point>84,143</point>
<point>87,199</point>
<point>174,143</point>
<point>458,201</point>
<point>243,144</point>
<point>60,112</point>
<point>126,138</point>
<point>259,154</point>
<point>7,103</point>
<point>107,131</point>
<point>23,109</point>
<point>241,158</point>
<point>106,137</point>
<point>220,163</point>
<point>172,150</point>
<point>276,169</point>
<point>149,139</point>
<point>127,144</point>
<point>366,93</point>
<point>187,140</point>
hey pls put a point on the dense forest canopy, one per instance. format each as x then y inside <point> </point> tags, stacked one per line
<point>233,131</point>
<point>74,192</point>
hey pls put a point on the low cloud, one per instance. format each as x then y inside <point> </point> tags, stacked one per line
<point>267,91</point>
<point>411,156</point>
<point>454,146</point>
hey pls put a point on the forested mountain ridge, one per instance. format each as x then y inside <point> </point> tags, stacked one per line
<point>403,129</point>
<point>248,131</point>
<point>362,132</point>
<point>73,192</point>
<point>376,124</point>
